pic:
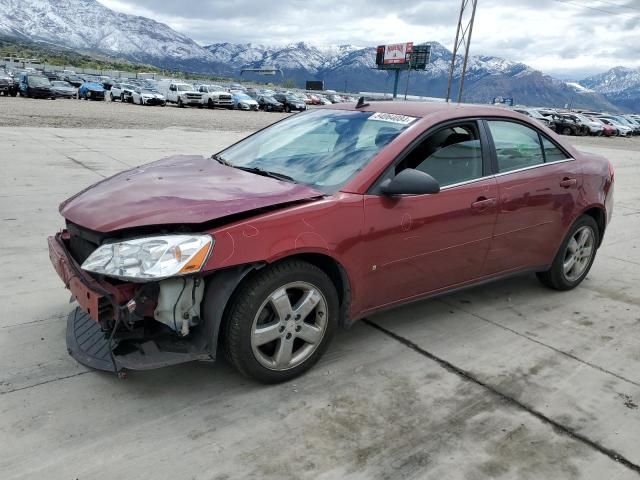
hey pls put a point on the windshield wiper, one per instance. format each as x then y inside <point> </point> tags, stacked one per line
<point>256,170</point>
<point>221,160</point>
<point>266,173</point>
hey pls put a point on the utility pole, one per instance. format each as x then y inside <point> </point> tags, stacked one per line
<point>462,42</point>
<point>406,88</point>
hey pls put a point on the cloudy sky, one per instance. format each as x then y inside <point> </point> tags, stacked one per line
<point>566,38</point>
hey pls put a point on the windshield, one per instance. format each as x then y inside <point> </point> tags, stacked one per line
<point>291,98</point>
<point>126,85</point>
<point>60,84</point>
<point>185,88</point>
<point>39,82</point>
<point>322,148</point>
<point>242,96</point>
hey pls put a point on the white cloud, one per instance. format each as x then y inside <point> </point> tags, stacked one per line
<point>560,37</point>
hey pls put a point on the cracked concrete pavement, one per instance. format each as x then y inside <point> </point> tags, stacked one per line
<point>506,380</point>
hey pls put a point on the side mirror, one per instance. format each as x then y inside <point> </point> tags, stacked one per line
<point>410,182</point>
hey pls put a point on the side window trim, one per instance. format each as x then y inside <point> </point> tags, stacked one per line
<point>374,188</point>
<point>541,136</point>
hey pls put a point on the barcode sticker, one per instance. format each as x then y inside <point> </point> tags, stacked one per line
<point>392,118</point>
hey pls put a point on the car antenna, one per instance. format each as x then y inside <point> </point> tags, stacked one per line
<point>361,103</point>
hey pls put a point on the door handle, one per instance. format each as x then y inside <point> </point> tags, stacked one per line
<point>483,203</point>
<point>567,182</point>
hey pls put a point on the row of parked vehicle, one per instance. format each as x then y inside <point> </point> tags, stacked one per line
<point>68,84</point>
<point>585,122</point>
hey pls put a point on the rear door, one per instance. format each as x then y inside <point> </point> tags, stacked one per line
<point>424,243</point>
<point>538,185</point>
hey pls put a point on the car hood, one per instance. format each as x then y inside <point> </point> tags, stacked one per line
<point>177,190</point>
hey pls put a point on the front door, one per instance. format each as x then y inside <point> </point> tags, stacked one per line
<point>424,243</point>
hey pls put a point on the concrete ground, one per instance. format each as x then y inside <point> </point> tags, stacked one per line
<point>508,380</point>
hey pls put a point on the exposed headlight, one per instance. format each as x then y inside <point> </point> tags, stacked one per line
<point>151,258</point>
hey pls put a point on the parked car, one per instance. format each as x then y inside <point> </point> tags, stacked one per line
<point>565,125</point>
<point>73,79</point>
<point>63,89</point>
<point>290,102</point>
<point>242,101</point>
<point>145,96</point>
<point>7,85</point>
<point>215,96</point>
<point>35,86</point>
<point>635,128</point>
<point>122,92</point>
<point>594,128</point>
<point>269,104</point>
<point>182,94</point>
<point>313,99</point>
<point>623,130</point>
<point>269,246</point>
<point>91,91</point>
<point>607,130</point>
<point>533,113</point>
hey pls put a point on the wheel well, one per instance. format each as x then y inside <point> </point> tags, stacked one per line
<point>338,276</point>
<point>598,215</point>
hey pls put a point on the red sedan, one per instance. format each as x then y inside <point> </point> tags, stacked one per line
<point>323,218</point>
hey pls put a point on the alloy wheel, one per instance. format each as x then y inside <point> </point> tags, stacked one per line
<point>289,326</point>
<point>578,254</point>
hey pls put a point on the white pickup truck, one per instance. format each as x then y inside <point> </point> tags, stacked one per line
<point>182,94</point>
<point>215,96</point>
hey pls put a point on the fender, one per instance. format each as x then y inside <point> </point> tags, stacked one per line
<point>220,287</point>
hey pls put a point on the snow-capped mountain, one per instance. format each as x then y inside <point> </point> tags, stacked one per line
<point>347,67</point>
<point>620,85</point>
<point>88,25</point>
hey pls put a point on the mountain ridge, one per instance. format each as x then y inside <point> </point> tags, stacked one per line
<point>89,25</point>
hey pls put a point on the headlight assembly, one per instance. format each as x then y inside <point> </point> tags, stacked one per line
<point>151,258</point>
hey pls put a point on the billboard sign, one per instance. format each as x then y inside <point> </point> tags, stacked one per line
<point>397,53</point>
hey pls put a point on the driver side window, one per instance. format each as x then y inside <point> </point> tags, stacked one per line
<point>450,155</point>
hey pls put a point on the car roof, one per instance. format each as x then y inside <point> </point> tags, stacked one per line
<point>425,109</point>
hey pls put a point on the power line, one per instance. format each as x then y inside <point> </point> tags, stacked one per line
<point>567,2</point>
<point>619,5</point>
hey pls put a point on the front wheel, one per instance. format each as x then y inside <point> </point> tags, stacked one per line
<point>281,321</point>
<point>575,257</point>
<point>180,104</point>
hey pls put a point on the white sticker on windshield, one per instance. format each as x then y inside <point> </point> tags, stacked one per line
<point>392,118</point>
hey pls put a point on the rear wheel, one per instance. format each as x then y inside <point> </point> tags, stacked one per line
<point>575,257</point>
<point>281,321</point>
<point>566,131</point>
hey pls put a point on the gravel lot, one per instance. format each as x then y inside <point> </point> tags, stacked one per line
<point>67,113</point>
<point>503,381</point>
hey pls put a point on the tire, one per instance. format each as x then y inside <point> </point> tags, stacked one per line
<point>210,104</point>
<point>287,109</point>
<point>111,96</point>
<point>122,98</point>
<point>252,304</point>
<point>558,277</point>
<point>180,104</point>
<point>566,131</point>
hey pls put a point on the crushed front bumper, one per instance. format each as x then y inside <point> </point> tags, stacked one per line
<point>90,326</point>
